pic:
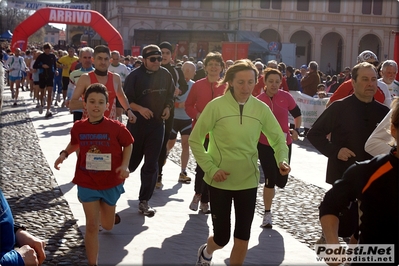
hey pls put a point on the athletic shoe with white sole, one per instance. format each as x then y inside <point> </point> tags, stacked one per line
<point>267,220</point>
<point>184,178</point>
<point>145,209</point>
<point>201,260</point>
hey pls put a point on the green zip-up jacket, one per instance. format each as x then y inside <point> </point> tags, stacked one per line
<point>234,132</point>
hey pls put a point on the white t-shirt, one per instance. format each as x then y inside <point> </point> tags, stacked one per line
<point>121,69</point>
<point>17,64</point>
<point>384,88</point>
<point>393,88</point>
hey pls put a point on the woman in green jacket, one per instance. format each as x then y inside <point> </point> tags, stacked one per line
<point>234,122</point>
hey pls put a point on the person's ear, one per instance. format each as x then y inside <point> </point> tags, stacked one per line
<point>353,82</point>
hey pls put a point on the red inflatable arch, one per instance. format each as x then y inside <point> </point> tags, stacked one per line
<point>66,16</point>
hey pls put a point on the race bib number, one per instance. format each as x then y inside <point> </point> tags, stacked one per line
<point>98,161</point>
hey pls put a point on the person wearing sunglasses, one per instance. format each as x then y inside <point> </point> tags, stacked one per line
<point>345,89</point>
<point>149,90</point>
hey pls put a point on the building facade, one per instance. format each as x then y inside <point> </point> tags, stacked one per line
<point>52,34</point>
<point>330,32</point>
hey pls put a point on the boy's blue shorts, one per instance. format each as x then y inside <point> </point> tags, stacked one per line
<point>13,79</point>
<point>109,196</point>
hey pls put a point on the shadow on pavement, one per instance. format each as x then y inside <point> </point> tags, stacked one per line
<point>114,242</point>
<point>162,196</point>
<point>269,251</point>
<point>180,249</point>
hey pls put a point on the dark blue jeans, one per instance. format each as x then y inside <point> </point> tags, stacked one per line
<point>57,85</point>
<point>148,138</point>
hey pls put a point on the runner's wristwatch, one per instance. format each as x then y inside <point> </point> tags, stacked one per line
<point>18,226</point>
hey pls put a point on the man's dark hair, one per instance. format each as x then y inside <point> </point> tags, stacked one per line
<point>290,69</point>
<point>47,45</point>
<point>355,69</point>
<point>101,49</point>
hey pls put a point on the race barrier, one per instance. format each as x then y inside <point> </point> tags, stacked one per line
<point>311,108</point>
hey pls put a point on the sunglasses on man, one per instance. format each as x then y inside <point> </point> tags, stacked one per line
<point>153,59</point>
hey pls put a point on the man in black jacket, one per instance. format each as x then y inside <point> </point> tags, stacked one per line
<point>349,122</point>
<point>374,183</point>
<point>46,65</point>
<point>149,90</point>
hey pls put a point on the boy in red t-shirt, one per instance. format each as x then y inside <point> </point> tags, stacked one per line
<point>105,147</point>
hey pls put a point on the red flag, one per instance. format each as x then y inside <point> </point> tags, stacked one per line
<point>396,51</point>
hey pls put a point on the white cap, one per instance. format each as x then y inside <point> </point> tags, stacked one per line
<point>257,63</point>
<point>365,56</point>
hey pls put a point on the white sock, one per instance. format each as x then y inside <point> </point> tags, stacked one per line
<point>206,255</point>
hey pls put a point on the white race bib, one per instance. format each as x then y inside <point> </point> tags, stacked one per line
<point>98,161</point>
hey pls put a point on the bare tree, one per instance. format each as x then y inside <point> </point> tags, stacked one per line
<point>38,36</point>
<point>11,17</point>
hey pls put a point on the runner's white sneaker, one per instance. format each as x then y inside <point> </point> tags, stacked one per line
<point>267,220</point>
<point>201,260</point>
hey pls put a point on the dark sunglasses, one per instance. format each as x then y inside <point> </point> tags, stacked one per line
<point>153,59</point>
